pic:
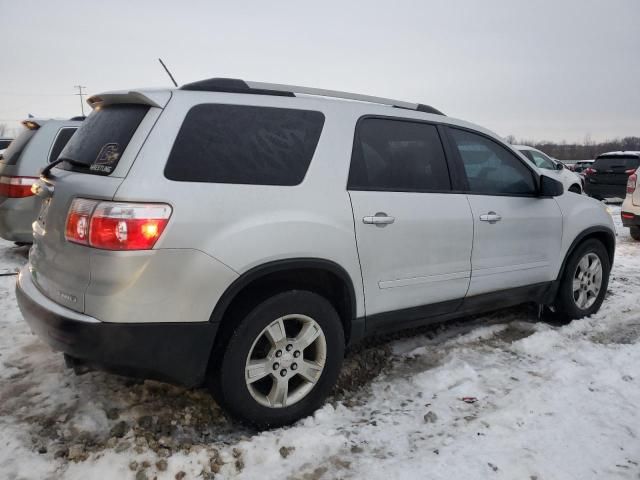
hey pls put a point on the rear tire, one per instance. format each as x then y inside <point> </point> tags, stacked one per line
<point>267,350</point>
<point>584,281</point>
<point>575,189</point>
<point>635,233</point>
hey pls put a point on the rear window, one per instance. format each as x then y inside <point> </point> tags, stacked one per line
<point>61,140</point>
<point>244,145</point>
<point>103,137</point>
<point>621,162</point>
<point>13,152</point>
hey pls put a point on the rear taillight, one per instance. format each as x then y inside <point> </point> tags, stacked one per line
<point>16,187</point>
<point>116,225</point>
<point>590,171</point>
<point>631,183</point>
<point>631,171</point>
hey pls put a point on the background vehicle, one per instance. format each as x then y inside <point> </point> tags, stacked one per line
<point>554,168</point>
<point>608,176</point>
<point>41,142</point>
<point>630,211</point>
<point>288,237</point>
<point>4,143</point>
<point>581,165</point>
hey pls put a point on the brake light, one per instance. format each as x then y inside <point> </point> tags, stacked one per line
<point>116,225</point>
<point>631,171</point>
<point>16,187</point>
<point>631,183</point>
<point>590,171</point>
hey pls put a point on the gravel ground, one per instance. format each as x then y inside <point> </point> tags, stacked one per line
<point>495,396</point>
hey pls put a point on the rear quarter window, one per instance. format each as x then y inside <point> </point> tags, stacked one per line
<point>62,138</point>
<point>103,137</point>
<point>244,145</point>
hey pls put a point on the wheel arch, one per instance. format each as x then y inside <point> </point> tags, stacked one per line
<point>322,276</point>
<point>603,234</point>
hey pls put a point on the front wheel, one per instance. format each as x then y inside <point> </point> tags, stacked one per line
<point>282,360</point>
<point>635,233</point>
<point>584,281</point>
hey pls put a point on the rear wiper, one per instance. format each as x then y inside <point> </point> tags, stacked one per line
<point>45,171</point>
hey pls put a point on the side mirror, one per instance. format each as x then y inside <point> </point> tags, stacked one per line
<point>560,166</point>
<point>550,187</point>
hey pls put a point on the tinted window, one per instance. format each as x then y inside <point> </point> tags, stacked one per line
<point>398,155</point>
<point>61,140</point>
<point>103,137</point>
<point>4,144</point>
<point>245,145</point>
<point>13,152</point>
<point>491,168</point>
<point>617,162</point>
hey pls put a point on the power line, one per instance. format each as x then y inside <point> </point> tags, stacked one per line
<point>80,87</point>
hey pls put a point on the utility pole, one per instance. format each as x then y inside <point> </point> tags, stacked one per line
<point>80,94</point>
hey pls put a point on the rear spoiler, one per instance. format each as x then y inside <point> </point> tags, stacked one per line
<point>158,98</point>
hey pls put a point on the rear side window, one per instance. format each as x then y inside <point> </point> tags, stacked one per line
<point>61,140</point>
<point>13,152</point>
<point>4,144</point>
<point>103,137</point>
<point>490,168</point>
<point>244,145</point>
<point>398,155</point>
<point>617,162</point>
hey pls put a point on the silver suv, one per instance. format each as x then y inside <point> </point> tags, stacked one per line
<point>242,235</point>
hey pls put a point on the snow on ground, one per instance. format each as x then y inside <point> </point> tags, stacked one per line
<point>546,402</point>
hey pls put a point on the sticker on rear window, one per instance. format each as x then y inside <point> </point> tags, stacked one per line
<point>107,157</point>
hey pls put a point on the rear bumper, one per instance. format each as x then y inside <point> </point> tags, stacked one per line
<point>599,190</point>
<point>630,219</point>
<point>174,352</point>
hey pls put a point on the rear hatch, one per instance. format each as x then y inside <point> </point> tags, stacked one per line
<point>613,169</point>
<point>99,157</point>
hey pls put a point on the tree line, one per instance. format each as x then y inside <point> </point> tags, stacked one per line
<point>586,150</point>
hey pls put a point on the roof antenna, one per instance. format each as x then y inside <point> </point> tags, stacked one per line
<point>168,72</point>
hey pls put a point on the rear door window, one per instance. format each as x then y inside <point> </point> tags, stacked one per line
<point>102,138</point>
<point>399,156</point>
<point>244,145</point>
<point>13,152</point>
<point>61,140</point>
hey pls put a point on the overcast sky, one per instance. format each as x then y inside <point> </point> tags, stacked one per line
<point>544,69</point>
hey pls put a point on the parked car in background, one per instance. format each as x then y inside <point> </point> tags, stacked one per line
<point>40,143</point>
<point>609,174</point>
<point>4,143</point>
<point>290,225</point>
<point>630,211</point>
<point>555,168</point>
<point>581,165</point>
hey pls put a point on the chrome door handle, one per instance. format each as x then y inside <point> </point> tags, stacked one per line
<point>491,217</point>
<point>380,219</point>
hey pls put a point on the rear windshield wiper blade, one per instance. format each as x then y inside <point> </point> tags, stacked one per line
<point>45,171</point>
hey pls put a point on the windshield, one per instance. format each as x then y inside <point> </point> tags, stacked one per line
<point>103,137</point>
<point>15,149</point>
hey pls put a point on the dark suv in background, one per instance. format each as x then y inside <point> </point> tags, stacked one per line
<point>608,176</point>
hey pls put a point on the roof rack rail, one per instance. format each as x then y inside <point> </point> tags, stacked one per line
<point>234,85</point>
